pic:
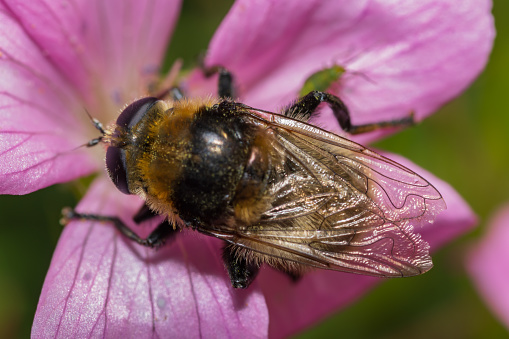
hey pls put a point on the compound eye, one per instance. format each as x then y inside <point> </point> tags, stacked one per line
<point>116,165</point>
<point>133,113</point>
<point>115,156</point>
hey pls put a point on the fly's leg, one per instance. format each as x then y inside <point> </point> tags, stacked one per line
<point>294,277</point>
<point>224,82</point>
<point>305,108</point>
<point>409,120</point>
<point>157,238</point>
<point>144,214</point>
<point>241,271</point>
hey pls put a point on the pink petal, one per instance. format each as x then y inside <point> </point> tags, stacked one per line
<point>488,264</point>
<point>104,49</point>
<point>400,56</point>
<point>33,160</point>
<point>293,307</point>
<point>103,285</point>
<point>38,130</point>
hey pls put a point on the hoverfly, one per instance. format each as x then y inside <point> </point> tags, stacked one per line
<point>277,190</point>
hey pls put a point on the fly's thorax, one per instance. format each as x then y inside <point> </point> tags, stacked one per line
<point>217,149</point>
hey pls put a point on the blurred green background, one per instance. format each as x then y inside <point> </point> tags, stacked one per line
<point>466,144</point>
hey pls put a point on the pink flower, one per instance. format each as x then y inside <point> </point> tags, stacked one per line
<point>488,264</point>
<point>57,58</point>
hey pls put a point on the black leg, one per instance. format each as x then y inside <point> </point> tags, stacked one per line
<point>241,272</point>
<point>294,277</point>
<point>406,121</point>
<point>224,83</point>
<point>144,214</point>
<point>156,239</point>
<point>306,106</point>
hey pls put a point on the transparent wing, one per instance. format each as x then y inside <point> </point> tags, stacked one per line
<point>341,206</point>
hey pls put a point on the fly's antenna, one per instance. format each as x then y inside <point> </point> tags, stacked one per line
<point>93,142</point>
<point>97,123</point>
<point>99,126</point>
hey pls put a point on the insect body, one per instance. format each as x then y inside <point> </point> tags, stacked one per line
<point>276,189</point>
